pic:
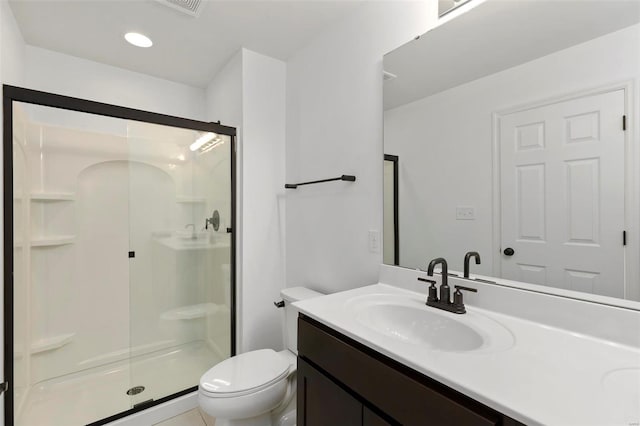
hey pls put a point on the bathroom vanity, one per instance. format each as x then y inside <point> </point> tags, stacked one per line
<point>378,355</point>
<point>341,381</point>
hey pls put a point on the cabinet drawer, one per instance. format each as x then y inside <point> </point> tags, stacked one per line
<point>405,395</point>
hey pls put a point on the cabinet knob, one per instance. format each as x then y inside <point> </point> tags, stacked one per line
<point>509,251</point>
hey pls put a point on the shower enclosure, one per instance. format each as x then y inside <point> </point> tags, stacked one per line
<point>118,257</point>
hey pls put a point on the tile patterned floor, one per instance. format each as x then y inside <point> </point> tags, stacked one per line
<point>194,417</point>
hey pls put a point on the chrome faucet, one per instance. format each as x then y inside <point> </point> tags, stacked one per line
<point>467,258</point>
<point>444,301</point>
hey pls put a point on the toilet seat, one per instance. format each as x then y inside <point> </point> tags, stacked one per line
<point>244,374</point>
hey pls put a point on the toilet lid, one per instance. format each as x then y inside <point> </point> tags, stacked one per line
<point>250,371</point>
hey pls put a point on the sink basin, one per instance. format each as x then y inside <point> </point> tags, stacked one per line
<point>410,321</point>
<point>419,326</point>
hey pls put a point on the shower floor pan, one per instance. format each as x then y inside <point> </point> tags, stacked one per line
<point>101,392</point>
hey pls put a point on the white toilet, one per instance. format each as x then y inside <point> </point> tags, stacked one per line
<point>257,388</point>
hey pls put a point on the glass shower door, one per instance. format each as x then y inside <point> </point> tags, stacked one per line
<point>179,257</point>
<point>118,275</point>
<point>70,277</point>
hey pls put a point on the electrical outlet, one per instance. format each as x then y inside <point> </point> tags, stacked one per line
<point>374,241</point>
<point>465,213</point>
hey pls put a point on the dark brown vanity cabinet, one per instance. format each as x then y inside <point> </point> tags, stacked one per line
<point>342,382</point>
<point>325,402</point>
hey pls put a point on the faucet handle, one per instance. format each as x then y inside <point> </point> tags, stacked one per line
<point>461,287</point>
<point>433,292</point>
<point>457,297</point>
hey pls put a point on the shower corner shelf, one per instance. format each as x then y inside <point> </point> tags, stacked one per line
<point>52,196</point>
<point>58,240</point>
<point>51,343</point>
<point>190,200</point>
<point>191,312</point>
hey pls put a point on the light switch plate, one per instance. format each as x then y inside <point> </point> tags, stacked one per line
<point>465,213</point>
<point>374,241</point>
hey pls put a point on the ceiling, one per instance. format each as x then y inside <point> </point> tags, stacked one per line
<point>494,36</point>
<point>186,49</point>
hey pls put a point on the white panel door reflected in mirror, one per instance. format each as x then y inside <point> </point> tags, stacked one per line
<point>514,124</point>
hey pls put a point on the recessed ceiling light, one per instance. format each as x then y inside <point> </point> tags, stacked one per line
<point>138,39</point>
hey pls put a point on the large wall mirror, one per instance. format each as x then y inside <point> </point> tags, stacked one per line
<point>515,133</point>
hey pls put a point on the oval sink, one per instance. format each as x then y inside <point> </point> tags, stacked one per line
<point>419,326</point>
<point>410,321</point>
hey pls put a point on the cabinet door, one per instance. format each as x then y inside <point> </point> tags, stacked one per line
<point>369,418</point>
<point>402,394</point>
<point>321,402</point>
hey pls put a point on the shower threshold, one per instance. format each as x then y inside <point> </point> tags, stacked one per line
<point>100,392</point>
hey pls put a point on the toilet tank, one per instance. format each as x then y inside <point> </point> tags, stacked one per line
<point>290,324</point>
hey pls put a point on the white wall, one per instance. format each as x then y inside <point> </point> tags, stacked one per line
<point>55,72</point>
<point>429,131</point>
<point>334,127</point>
<point>263,214</point>
<point>249,93</point>
<point>12,48</point>
<point>224,94</point>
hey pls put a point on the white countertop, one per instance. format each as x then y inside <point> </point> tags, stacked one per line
<point>543,376</point>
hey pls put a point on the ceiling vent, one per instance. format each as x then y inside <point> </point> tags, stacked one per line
<point>386,76</point>
<point>190,7</point>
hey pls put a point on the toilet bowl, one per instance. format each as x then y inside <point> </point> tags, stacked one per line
<point>257,388</point>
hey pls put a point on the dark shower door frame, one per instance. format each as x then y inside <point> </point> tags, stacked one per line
<point>396,210</point>
<point>19,94</point>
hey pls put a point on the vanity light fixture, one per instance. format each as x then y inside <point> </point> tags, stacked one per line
<point>139,40</point>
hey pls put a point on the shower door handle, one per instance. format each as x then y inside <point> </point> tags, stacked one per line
<point>4,386</point>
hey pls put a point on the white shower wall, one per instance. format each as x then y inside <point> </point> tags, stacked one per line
<point>89,198</point>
